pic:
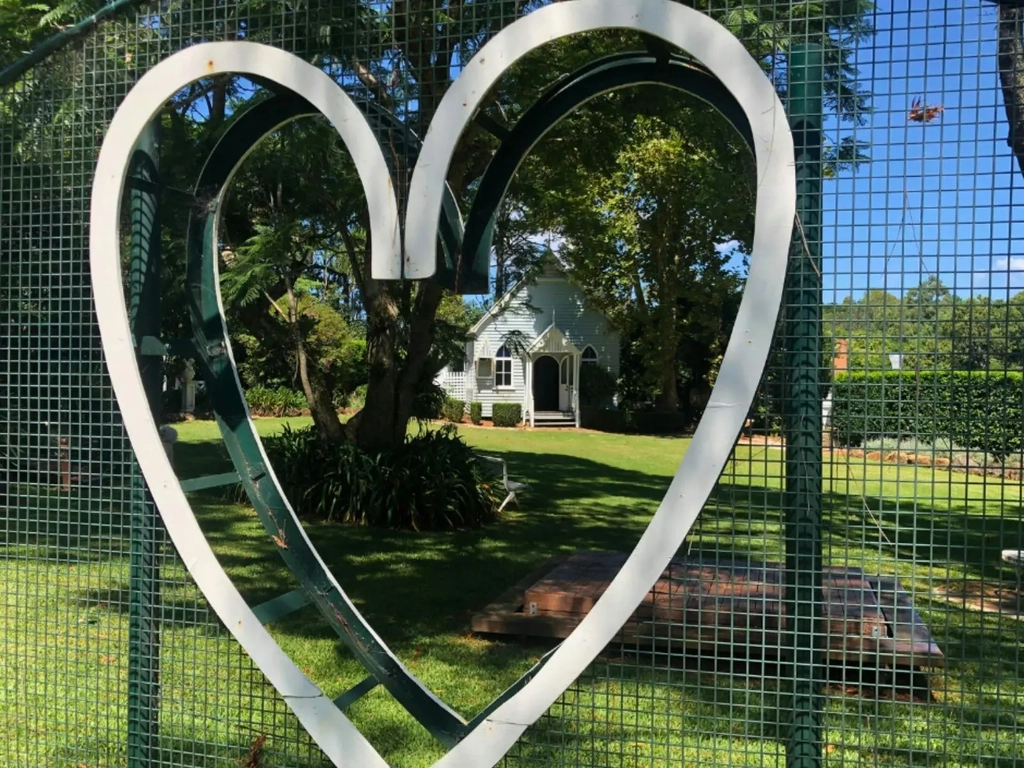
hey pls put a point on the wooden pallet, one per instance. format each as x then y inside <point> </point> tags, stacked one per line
<point>716,606</point>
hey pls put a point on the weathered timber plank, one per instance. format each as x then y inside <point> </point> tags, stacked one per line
<point>712,606</point>
<point>511,600</point>
<point>911,640</point>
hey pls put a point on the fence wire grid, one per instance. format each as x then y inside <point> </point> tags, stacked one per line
<point>904,312</point>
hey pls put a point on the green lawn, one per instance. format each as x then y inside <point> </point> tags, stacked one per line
<point>588,491</point>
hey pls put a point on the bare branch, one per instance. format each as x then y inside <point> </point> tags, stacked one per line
<point>277,306</point>
<point>372,83</point>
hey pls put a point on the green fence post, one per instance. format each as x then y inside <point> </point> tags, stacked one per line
<point>803,416</point>
<point>144,595</point>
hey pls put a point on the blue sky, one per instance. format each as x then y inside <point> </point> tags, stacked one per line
<point>936,198</point>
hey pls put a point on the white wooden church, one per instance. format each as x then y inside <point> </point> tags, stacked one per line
<point>557,335</point>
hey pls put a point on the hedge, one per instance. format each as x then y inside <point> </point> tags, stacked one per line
<point>603,419</point>
<point>506,414</point>
<point>640,422</point>
<point>275,402</point>
<point>597,386</point>
<point>982,410</point>
<point>476,412</point>
<point>453,409</point>
<point>659,422</point>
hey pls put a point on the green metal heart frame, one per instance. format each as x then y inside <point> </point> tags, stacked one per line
<point>463,259</point>
<point>413,254</point>
<point>212,352</point>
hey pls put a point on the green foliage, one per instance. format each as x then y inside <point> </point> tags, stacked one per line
<point>25,24</point>
<point>476,412</point>
<point>358,397</point>
<point>454,319</point>
<point>275,402</point>
<point>286,263</point>
<point>433,481</point>
<point>641,221</point>
<point>644,422</point>
<point>453,409</point>
<point>604,419</point>
<point>21,26</point>
<point>506,414</point>
<point>429,401</point>
<point>766,414</point>
<point>932,328</point>
<point>978,409</point>
<point>266,354</point>
<point>644,203</point>
<point>597,386</point>
<point>332,340</point>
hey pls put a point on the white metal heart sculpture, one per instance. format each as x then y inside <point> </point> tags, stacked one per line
<point>712,444</point>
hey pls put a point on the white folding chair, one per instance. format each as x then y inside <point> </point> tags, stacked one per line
<point>512,487</point>
<point>1015,557</point>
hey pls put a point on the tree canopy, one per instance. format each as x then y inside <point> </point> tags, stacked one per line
<point>655,183</point>
<point>931,328</point>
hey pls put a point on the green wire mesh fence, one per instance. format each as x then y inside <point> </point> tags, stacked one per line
<point>850,593</point>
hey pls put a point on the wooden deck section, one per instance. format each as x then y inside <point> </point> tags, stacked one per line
<point>719,606</point>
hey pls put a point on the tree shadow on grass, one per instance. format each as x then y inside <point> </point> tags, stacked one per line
<point>242,751</point>
<point>419,590</point>
<point>77,525</point>
<point>421,584</point>
<point>174,612</point>
<point>200,458</point>
<point>652,717</point>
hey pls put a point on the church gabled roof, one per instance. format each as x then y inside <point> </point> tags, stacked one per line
<point>553,340</point>
<point>549,267</point>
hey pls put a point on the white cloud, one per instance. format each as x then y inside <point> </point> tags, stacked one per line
<point>727,246</point>
<point>1014,263</point>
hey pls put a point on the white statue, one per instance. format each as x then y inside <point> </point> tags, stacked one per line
<point>188,397</point>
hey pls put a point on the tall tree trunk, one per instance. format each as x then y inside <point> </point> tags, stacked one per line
<point>321,407</point>
<point>421,339</point>
<point>374,426</point>
<point>668,398</point>
<point>666,315</point>
<point>220,101</point>
<point>391,393</point>
<point>391,388</point>
<point>1011,76</point>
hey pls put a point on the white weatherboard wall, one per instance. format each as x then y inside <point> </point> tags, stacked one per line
<point>531,309</point>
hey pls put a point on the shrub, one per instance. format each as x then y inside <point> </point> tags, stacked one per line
<point>357,399</point>
<point>476,412</point>
<point>659,422</point>
<point>428,402</point>
<point>597,386</point>
<point>275,402</point>
<point>603,419</point>
<point>506,414</point>
<point>433,481</point>
<point>349,368</point>
<point>453,410</point>
<point>170,404</point>
<point>979,410</point>
<point>645,422</point>
<point>908,445</point>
